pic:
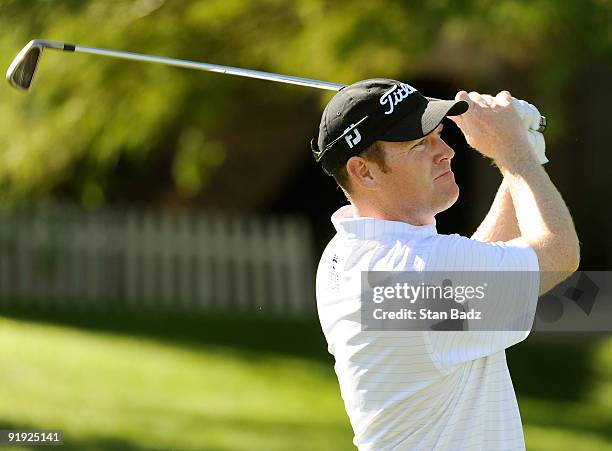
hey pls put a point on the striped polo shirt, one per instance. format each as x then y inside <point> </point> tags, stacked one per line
<point>420,390</point>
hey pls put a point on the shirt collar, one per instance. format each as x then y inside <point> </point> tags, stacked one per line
<point>346,222</point>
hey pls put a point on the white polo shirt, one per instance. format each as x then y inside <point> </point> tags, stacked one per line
<point>406,390</point>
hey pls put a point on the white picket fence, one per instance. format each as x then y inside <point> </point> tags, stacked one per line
<point>66,258</point>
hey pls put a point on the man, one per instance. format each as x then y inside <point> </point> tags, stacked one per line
<point>380,140</point>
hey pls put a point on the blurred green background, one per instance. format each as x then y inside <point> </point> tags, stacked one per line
<point>104,133</point>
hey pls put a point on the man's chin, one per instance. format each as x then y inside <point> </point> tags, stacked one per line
<point>453,196</point>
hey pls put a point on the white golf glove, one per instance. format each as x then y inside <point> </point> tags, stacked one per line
<point>531,118</point>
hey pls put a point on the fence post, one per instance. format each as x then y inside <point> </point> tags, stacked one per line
<point>131,248</point>
<point>219,245</point>
<point>238,252</point>
<point>259,264</point>
<point>168,270</point>
<point>148,255</point>
<point>183,249</point>
<point>203,258</point>
<point>293,251</point>
<point>7,257</point>
<point>276,254</point>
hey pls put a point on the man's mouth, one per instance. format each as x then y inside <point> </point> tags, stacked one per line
<point>445,174</point>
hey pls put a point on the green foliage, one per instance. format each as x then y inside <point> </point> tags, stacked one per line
<point>87,116</point>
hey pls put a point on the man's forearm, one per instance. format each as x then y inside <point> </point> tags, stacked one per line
<point>543,218</point>
<point>500,223</point>
<point>492,126</point>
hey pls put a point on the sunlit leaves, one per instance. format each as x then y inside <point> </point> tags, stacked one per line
<point>85,113</point>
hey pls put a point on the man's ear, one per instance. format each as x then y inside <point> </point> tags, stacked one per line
<point>361,172</point>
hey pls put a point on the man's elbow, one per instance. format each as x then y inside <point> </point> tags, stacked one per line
<point>569,256</point>
<point>558,264</point>
<point>560,253</point>
<point>574,257</point>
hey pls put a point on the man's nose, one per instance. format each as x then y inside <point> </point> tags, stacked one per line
<point>444,151</point>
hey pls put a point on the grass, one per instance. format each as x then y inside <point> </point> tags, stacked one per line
<point>151,381</point>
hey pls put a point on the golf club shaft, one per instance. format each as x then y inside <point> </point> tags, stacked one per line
<point>21,71</point>
<point>202,66</point>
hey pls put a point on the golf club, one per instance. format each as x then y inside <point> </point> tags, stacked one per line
<point>22,69</point>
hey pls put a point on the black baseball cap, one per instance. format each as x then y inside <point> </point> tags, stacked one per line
<point>376,109</point>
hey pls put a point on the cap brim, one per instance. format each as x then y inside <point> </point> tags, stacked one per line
<point>429,117</point>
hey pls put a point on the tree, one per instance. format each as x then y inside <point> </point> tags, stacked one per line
<point>93,123</point>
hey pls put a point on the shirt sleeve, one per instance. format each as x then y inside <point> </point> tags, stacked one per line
<point>508,312</point>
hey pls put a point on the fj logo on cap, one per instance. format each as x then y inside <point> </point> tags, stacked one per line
<point>352,138</point>
<point>395,95</point>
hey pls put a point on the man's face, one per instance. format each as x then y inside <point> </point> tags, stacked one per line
<point>419,177</point>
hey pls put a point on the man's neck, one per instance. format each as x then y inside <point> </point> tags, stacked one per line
<point>392,214</point>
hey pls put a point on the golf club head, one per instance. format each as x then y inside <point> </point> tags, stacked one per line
<point>21,71</point>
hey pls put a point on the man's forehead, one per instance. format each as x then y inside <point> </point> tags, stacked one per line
<point>435,130</point>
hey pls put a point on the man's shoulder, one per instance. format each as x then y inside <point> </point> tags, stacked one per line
<point>383,253</point>
<point>460,253</point>
<point>437,252</point>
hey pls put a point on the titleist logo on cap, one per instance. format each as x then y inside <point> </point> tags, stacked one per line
<point>395,95</point>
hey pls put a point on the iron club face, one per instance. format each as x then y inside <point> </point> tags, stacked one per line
<point>21,71</point>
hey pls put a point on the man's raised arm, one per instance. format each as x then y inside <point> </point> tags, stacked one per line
<point>500,223</point>
<point>544,222</point>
